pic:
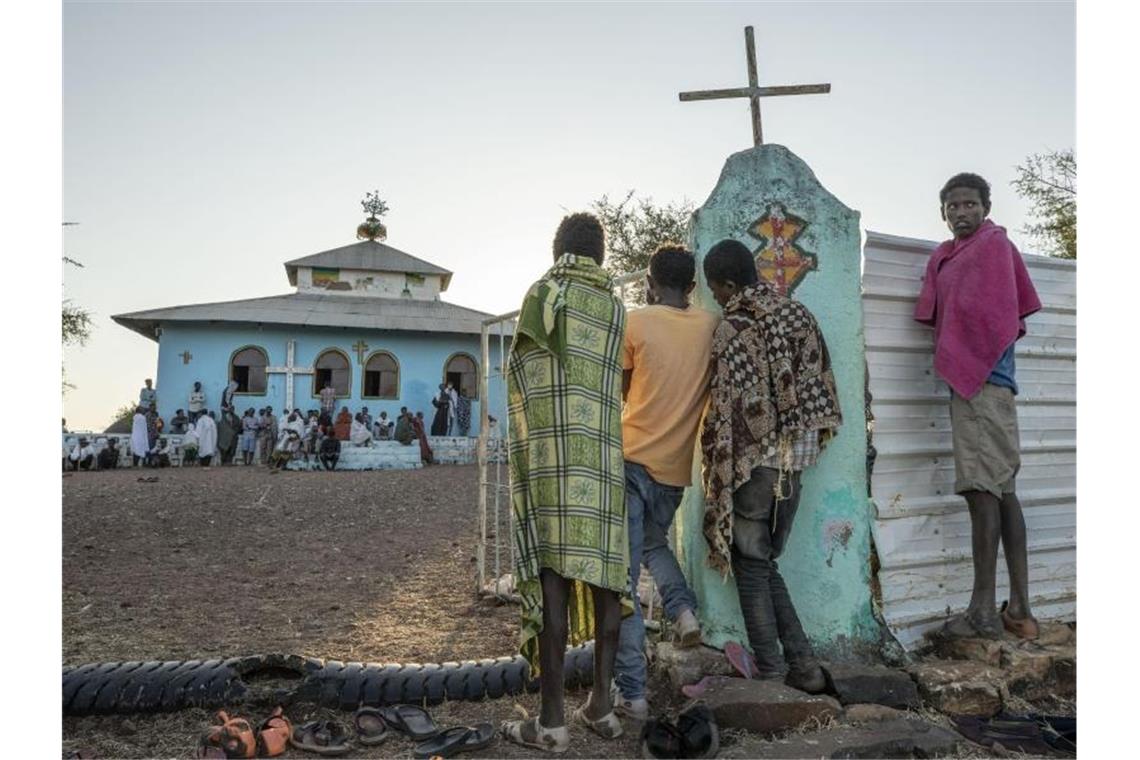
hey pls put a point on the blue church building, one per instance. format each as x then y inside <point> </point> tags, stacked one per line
<point>367,317</point>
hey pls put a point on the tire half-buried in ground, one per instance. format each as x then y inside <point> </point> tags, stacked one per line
<point>134,687</point>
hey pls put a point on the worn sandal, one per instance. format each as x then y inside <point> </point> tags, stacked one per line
<point>273,734</point>
<point>548,739</point>
<point>325,737</point>
<point>1022,628</point>
<point>608,726</point>
<point>452,741</point>
<point>411,720</point>
<point>741,659</point>
<point>371,728</point>
<point>234,739</point>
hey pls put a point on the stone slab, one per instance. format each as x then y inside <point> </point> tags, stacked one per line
<point>1028,670</point>
<point>959,687</point>
<point>765,707</point>
<point>901,737</point>
<point>687,666</point>
<point>870,713</point>
<point>987,651</point>
<point>865,683</point>
<point>1054,634</point>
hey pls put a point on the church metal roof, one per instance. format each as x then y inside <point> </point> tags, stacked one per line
<point>368,255</point>
<point>319,310</point>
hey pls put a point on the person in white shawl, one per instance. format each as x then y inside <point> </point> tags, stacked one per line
<point>207,431</point>
<point>140,444</point>
<point>359,433</point>
<point>452,409</point>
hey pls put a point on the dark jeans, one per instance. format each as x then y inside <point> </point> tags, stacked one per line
<point>761,524</point>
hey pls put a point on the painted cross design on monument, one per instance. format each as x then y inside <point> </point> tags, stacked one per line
<point>289,370</point>
<point>780,261</point>
<point>753,91</point>
<point>186,357</point>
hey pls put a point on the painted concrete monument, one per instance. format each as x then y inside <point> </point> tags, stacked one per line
<point>806,244</point>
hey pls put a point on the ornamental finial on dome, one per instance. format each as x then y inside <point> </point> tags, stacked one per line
<point>371,228</point>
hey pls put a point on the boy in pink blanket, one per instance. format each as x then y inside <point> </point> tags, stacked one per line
<point>976,295</point>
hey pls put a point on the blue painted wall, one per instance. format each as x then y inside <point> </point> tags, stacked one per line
<point>421,356</point>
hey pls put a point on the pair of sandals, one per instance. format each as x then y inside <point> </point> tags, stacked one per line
<point>235,737</point>
<point>693,735</point>
<point>531,732</point>
<point>374,725</point>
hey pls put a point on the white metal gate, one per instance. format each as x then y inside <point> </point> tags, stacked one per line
<point>922,529</point>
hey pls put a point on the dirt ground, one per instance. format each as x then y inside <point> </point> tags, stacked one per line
<point>219,562</point>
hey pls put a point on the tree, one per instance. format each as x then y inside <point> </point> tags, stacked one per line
<point>125,412</point>
<point>76,321</point>
<point>634,228</point>
<point>1049,182</point>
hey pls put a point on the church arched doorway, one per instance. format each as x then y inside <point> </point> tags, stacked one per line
<point>381,376</point>
<point>463,373</point>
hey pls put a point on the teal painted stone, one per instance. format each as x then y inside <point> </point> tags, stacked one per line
<point>827,561</point>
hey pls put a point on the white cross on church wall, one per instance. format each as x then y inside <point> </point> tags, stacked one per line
<point>289,370</point>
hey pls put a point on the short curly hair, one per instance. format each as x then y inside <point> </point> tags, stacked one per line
<point>967,180</point>
<point>582,235</point>
<point>730,260</point>
<point>672,266</point>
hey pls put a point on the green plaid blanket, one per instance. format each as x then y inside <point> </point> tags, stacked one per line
<point>566,465</point>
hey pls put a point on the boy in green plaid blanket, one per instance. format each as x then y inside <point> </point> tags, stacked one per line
<point>568,478</point>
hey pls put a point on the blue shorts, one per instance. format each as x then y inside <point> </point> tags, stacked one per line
<point>248,442</point>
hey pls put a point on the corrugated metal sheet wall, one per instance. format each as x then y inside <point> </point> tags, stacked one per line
<point>922,529</point>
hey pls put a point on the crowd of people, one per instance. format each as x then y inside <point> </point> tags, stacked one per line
<point>263,437</point>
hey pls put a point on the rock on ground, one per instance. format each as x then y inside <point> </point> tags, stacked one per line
<point>687,666</point>
<point>900,737</point>
<point>866,683</point>
<point>766,707</point>
<point>959,687</point>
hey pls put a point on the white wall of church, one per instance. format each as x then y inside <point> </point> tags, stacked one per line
<point>421,357</point>
<point>380,284</point>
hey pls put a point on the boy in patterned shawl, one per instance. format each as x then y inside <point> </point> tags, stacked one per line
<point>773,406</point>
<point>568,479</point>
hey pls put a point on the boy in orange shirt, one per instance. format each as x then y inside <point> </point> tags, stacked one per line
<point>666,382</point>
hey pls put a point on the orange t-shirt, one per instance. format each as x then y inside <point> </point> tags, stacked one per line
<point>668,350</point>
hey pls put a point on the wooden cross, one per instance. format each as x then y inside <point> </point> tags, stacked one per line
<point>186,357</point>
<point>289,370</point>
<point>753,91</point>
<point>359,347</point>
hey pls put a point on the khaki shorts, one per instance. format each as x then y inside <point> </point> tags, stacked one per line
<point>987,452</point>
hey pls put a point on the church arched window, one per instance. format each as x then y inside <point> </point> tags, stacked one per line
<point>381,376</point>
<point>332,366</point>
<point>463,374</point>
<point>247,367</point>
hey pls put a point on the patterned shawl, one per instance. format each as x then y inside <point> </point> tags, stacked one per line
<point>771,378</point>
<point>566,467</point>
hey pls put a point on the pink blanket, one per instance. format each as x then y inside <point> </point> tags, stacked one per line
<point>976,294</point>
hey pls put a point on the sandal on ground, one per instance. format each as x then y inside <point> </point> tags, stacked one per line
<point>452,741</point>
<point>1022,628</point>
<point>741,659</point>
<point>548,739</point>
<point>233,738</point>
<point>325,737</point>
<point>411,720</point>
<point>273,734</point>
<point>371,728</point>
<point>608,726</point>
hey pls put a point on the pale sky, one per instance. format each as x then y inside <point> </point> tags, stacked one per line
<point>205,144</point>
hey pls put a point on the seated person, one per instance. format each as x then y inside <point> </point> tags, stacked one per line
<point>359,433</point>
<point>82,456</point>
<point>330,451</point>
<point>108,457</point>
<point>159,456</point>
<point>287,448</point>
<point>190,446</point>
<point>382,428</point>
<point>179,422</point>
